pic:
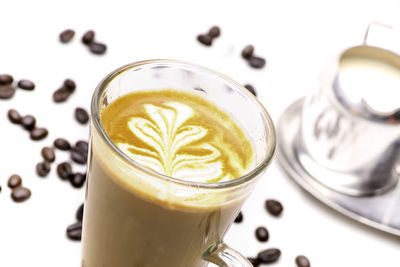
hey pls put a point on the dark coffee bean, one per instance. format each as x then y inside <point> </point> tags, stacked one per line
<point>14,116</point>
<point>74,231</point>
<point>214,32</point>
<point>38,133</point>
<point>205,39</point>
<point>69,85</point>
<point>48,154</point>
<point>248,51</point>
<point>61,94</point>
<point>256,62</point>
<point>262,234</point>
<point>64,170</point>
<point>62,144</point>
<point>78,156</point>
<point>79,213</point>
<point>43,168</point>
<point>81,115</point>
<point>14,181</point>
<point>6,91</point>
<point>20,193</point>
<point>77,179</point>
<point>239,218</point>
<point>302,261</point>
<point>28,122</point>
<point>274,207</point>
<point>66,36</point>
<point>251,89</point>
<point>269,255</point>
<point>6,79</point>
<point>26,85</point>
<point>88,37</point>
<point>254,261</point>
<point>83,146</point>
<point>97,48</point>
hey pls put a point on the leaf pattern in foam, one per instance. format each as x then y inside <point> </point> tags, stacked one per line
<point>166,133</point>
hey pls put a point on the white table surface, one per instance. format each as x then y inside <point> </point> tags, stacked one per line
<point>296,37</point>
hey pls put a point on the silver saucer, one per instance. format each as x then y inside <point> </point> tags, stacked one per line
<point>379,211</point>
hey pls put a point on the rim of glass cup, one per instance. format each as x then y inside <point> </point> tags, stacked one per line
<point>271,142</point>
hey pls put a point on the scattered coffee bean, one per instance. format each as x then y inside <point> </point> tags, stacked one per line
<point>14,116</point>
<point>6,79</point>
<point>88,37</point>
<point>69,85</point>
<point>83,146</point>
<point>74,231</point>
<point>79,213</point>
<point>262,234</point>
<point>28,122</point>
<point>6,91</point>
<point>48,154</point>
<point>66,35</point>
<point>14,181</point>
<point>269,255</point>
<point>77,179</point>
<point>256,62</point>
<point>38,133</point>
<point>64,170</point>
<point>81,115</point>
<point>274,207</point>
<point>248,51</point>
<point>62,144</point>
<point>61,95</point>
<point>239,218</point>
<point>251,89</point>
<point>43,168</point>
<point>78,156</point>
<point>97,48</point>
<point>26,85</point>
<point>214,32</point>
<point>254,261</point>
<point>205,39</point>
<point>20,193</point>
<point>302,261</point>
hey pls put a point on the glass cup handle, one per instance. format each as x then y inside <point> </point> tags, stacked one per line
<point>224,256</point>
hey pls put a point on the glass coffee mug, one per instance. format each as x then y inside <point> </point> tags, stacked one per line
<point>136,217</point>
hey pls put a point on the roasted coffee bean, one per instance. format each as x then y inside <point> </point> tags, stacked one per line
<point>74,231</point>
<point>14,181</point>
<point>262,234</point>
<point>81,115</point>
<point>78,156</point>
<point>248,51</point>
<point>254,261</point>
<point>14,116</point>
<point>61,94</point>
<point>64,170</point>
<point>43,168</point>
<point>251,89</point>
<point>66,35</point>
<point>214,32</point>
<point>77,179</point>
<point>205,39</point>
<point>274,207</point>
<point>256,62</point>
<point>20,193</point>
<point>69,85</point>
<point>62,144</point>
<point>48,154</point>
<point>97,48</point>
<point>88,37</point>
<point>239,218</point>
<point>269,255</point>
<point>6,91</point>
<point>38,133</point>
<point>6,79</point>
<point>28,122</point>
<point>302,261</point>
<point>83,146</point>
<point>26,85</point>
<point>79,213</point>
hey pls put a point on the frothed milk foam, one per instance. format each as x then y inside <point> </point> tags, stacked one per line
<point>147,223</point>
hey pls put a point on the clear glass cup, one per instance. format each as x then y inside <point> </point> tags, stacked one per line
<point>140,218</point>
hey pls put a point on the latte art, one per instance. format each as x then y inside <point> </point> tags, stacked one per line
<point>178,139</point>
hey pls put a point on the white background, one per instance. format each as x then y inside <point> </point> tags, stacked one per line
<point>296,37</point>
